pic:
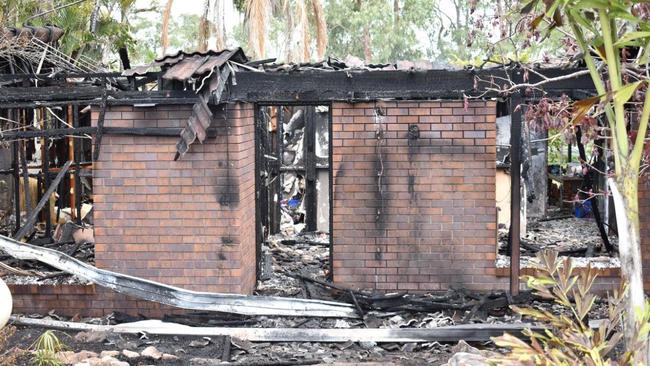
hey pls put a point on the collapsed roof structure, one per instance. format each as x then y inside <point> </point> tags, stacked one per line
<point>409,167</point>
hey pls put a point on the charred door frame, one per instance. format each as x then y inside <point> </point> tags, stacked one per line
<point>259,234</point>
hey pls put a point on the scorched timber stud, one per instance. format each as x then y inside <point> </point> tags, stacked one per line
<point>31,220</point>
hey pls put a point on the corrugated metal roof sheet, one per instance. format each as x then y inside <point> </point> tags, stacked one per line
<point>183,65</point>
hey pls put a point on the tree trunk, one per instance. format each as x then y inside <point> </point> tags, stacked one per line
<point>367,44</point>
<point>204,27</point>
<point>164,34</point>
<point>626,203</point>
<point>219,24</point>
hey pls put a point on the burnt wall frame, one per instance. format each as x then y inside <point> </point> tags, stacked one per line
<point>259,234</point>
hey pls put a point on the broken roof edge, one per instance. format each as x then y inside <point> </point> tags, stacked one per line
<point>311,86</point>
<point>182,65</point>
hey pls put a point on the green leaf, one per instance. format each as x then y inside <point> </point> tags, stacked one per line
<point>577,17</point>
<point>535,23</point>
<point>627,37</point>
<point>528,7</point>
<point>550,10</point>
<point>624,94</point>
<point>591,4</point>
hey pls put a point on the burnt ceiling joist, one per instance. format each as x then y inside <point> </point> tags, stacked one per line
<point>316,86</point>
<point>15,97</point>
<point>358,85</point>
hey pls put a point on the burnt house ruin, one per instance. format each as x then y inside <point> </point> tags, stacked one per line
<point>195,165</point>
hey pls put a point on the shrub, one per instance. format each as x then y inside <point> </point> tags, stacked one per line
<point>568,338</point>
<point>45,349</point>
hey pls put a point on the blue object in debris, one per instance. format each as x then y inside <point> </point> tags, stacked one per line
<point>583,210</point>
<point>294,203</point>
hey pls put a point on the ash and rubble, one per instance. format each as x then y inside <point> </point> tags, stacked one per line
<point>124,349</point>
<point>569,236</point>
<point>70,238</point>
<point>306,253</point>
<point>299,268</point>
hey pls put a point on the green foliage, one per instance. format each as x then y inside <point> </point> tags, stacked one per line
<point>392,35</point>
<point>92,28</point>
<point>45,349</point>
<point>568,338</point>
<point>183,35</point>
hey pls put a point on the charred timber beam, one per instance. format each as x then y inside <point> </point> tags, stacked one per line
<point>63,76</point>
<point>319,86</point>
<point>100,126</point>
<point>16,181</point>
<point>53,132</point>
<point>86,93</point>
<point>309,154</point>
<point>515,184</point>
<point>77,148</point>
<point>143,100</point>
<point>135,131</point>
<point>31,220</point>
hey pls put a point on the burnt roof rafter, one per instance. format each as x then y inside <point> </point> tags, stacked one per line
<point>359,85</point>
<point>317,86</point>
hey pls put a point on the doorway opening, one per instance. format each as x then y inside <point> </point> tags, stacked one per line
<point>293,185</point>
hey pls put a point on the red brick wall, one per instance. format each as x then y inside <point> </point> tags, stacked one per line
<point>184,222</point>
<point>429,221</point>
<point>84,300</point>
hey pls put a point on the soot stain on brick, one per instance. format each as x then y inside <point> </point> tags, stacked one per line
<point>221,256</point>
<point>380,165</point>
<point>413,140</point>
<point>412,136</point>
<point>411,185</point>
<point>380,191</point>
<point>229,192</point>
<point>340,173</point>
<point>226,240</point>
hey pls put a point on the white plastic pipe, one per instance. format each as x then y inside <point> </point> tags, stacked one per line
<point>5,304</point>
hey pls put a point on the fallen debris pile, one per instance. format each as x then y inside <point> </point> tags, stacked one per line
<point>569,236</point>
<point>174,296</point>
<point>138,349</point>
<point>468,332</point>
<point>305,253</point>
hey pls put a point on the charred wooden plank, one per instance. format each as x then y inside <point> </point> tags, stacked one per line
<point>16,180</point>
<point>100,127</point>
<point>467,332</point>
<point>31,219</point>
<point>360,85</point>
<point>60,132</point>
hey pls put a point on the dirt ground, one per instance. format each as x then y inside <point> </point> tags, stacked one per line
<point>204,351</point>
<point>306,256</point>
